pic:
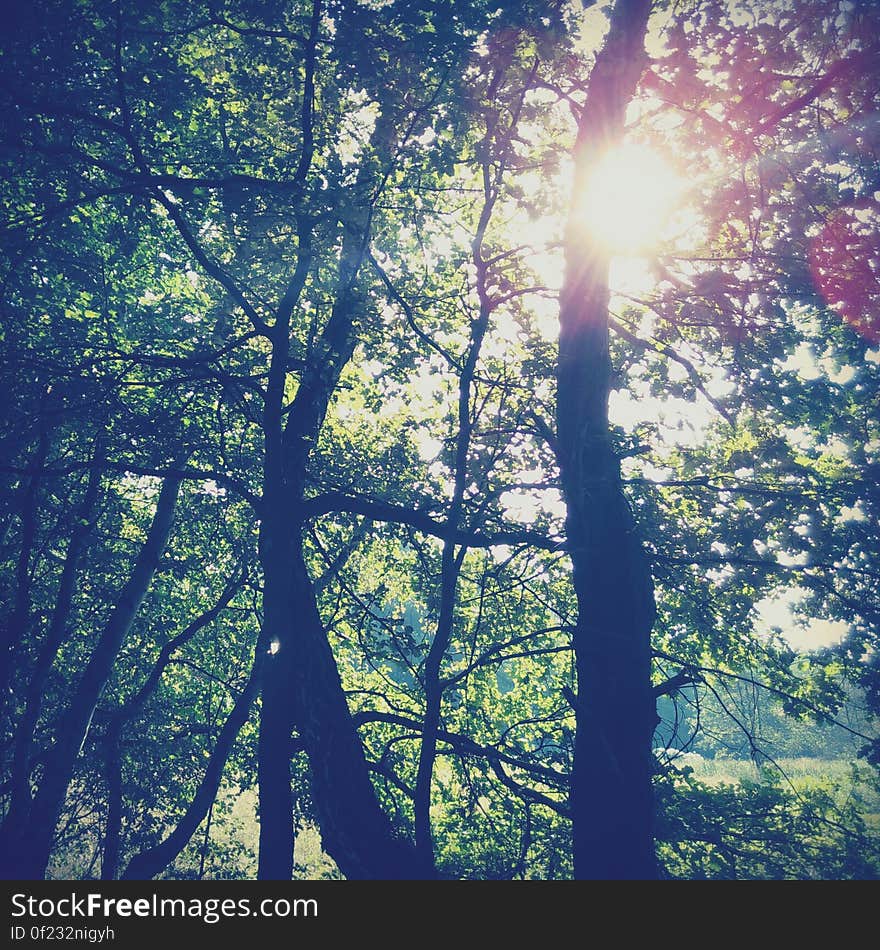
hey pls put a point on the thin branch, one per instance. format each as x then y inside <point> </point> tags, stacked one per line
<point>210,266</point>
<point>751,681</point>
<point>863,60</point>
<point>422,521</point>
<point>671,353</point>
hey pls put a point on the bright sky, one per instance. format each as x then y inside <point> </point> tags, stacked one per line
<point>809,633</point>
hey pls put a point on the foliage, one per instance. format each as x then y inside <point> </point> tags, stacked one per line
<point>170,181</point>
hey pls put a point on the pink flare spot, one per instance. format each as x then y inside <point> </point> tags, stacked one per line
<point>845,263</point>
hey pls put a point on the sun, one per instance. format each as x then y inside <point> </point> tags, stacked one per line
<point>629,200</point>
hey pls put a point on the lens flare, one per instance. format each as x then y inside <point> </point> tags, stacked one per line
<point>845,262</point>
<point>630,197</point>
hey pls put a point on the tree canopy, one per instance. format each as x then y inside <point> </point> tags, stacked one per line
<point>450,428</point>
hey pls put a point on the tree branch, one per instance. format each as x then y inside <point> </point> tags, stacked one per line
<point>397,514</point>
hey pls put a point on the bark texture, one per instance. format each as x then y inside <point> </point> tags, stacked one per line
<point>611,795</point>
<point>301,686</point>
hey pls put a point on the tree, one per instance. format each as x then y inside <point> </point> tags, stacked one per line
<point>612,811</point>
<point>306,493</point>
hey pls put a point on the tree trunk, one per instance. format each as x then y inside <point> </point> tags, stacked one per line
<point>27,845</point>
<point>113,777</point>
<point>277,537</point>
<point>15,629</point>
<point>301,683</point>
<point>611,795</point>
<point>55,637</point>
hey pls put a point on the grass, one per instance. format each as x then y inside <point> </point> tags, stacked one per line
<point>801,770</point>
<point>848,782</point>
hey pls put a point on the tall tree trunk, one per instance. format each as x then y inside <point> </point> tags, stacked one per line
<point>278,540</point>
<point>16,626</point>
<point>301,683</point>
<point>27,845</point>
<point>611,795</point>
<point>453,558</point>
<point>113,778</point>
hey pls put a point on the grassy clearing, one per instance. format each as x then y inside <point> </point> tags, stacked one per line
<point>849,783</point>
<point>800,770</point>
